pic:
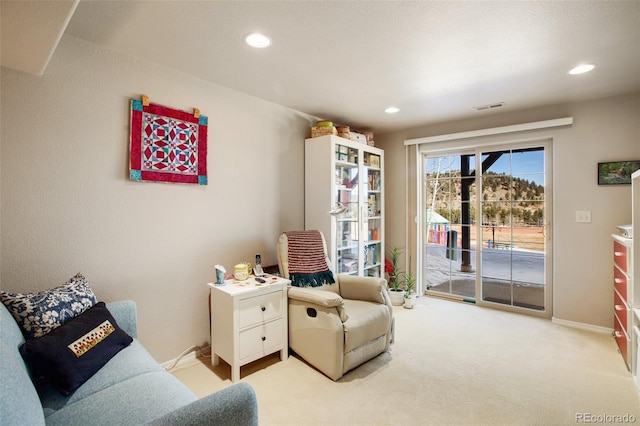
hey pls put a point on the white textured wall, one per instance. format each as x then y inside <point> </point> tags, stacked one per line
<point>603,130</point>
<point>68,205</point>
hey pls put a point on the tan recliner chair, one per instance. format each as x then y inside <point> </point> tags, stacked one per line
<point>336,327</point>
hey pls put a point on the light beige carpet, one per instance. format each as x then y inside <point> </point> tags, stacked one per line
<point>452,364</point>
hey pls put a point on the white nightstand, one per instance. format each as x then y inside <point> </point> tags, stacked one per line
<point>248,321</point>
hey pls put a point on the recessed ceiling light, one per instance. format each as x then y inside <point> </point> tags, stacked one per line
<point>581,69</point>
<point>257,40</point>
<point>392,110</point>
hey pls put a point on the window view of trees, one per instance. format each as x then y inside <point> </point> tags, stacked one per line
<point>506,200</point>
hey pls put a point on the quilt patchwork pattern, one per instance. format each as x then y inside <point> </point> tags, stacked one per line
<point>167,145</point>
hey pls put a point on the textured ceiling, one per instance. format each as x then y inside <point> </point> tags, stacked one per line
<point>348,61</point>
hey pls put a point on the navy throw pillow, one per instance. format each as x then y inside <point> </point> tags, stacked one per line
<point>69,355</point>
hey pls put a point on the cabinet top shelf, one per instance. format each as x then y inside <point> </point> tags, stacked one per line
<point>346,142</point>
<point>626,241</point>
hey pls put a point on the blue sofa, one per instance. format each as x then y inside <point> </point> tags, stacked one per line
<point>131,389</point>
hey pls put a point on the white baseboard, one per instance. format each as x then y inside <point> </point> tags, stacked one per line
<point>582,326</point>
<point>186,358</point>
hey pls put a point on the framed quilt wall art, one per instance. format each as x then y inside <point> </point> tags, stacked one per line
<point>167,145</point>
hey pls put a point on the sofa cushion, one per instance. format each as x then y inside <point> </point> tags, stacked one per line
<point>39,313</point>
<point>134,360</point>
<point>72,353</point>
<point>133,401</point>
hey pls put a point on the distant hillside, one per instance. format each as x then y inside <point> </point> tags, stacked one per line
<point>505,200</point>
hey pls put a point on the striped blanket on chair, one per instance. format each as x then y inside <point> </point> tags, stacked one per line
<point>307,259</point>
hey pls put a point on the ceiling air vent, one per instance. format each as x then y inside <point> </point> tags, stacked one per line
<point>490,106</point>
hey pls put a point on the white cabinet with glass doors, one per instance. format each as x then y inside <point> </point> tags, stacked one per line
<point>340,172</point>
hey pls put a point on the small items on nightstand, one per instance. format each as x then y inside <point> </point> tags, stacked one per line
<point>241,271</point>
<point>220,271</point>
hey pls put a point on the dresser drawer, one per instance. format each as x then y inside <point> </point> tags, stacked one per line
<point>261,340</point>
<point>623,341</point>
<point>256,310</point>
<point>620,282</point>
<point>620,255</point>
<point>622,311</point>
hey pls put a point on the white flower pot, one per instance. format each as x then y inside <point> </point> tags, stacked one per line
<point>397,297</point>
<point>409,302</point>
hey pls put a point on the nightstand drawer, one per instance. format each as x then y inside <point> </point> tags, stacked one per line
<point>259,309</point>
<point>261,340</point>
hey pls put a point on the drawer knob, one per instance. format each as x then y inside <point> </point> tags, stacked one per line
<point>617,253</point>
<point>617,334</point>
<point>264,338</point>
<point>619,308</point>
<point>262,308</point>
<point>618,281</point>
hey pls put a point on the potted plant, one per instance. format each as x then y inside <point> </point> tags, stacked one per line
<point>396,293</point>
<point>410,294</point>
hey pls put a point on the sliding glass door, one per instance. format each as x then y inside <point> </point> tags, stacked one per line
<point>485,236</point>
<point>449,267</point>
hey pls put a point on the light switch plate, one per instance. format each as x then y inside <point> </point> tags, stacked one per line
<point>583,216</point>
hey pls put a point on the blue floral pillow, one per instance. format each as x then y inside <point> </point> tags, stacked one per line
<point>39,313</point>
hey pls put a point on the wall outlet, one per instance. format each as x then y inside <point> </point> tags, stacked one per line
<point>583,216</point>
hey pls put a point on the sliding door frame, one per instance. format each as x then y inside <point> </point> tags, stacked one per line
<point>477,147</point>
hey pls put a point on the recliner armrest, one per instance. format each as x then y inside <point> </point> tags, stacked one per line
<point>362,288</point>
<point>324,298</point>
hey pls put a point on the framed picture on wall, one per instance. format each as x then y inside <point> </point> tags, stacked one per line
<point>617,172</point>
<point>166,144</point>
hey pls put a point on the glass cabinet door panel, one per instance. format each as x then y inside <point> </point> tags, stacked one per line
<point>372,217</point>
<point>347,246</point>
<point>347,193</point>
